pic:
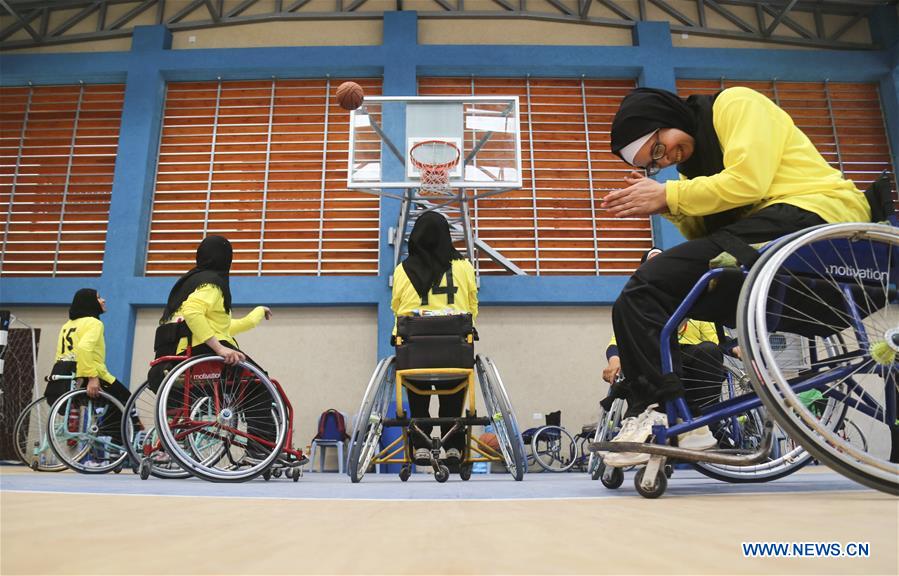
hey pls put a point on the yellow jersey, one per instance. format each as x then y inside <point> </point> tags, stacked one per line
<point>767,160</point>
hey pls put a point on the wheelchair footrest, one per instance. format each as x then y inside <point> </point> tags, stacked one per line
<point>681,454</point>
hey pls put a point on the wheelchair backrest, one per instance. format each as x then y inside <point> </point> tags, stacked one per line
<point>434,342</point>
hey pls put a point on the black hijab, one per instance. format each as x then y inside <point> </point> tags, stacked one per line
<point>431,252</point>
<point>85,303</point>
<point>647,109</point>
<point>213,266</point>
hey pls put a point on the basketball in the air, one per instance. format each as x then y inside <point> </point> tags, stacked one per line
<point>490,439</point>
<point>350,95</point>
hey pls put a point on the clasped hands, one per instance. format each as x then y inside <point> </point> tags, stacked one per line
<point>642,197</point>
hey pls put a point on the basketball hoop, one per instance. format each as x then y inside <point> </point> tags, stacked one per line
<point>434,159</point>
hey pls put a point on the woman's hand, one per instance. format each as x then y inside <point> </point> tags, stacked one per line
<point>229,355</point>
<point>642,197</point>
<point>93,387</point>
<point>612,370</point>
<point>268,312</point>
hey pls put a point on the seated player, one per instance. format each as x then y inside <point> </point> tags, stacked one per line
<point>435,278</point>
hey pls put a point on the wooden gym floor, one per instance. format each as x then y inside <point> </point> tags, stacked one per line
<point>67,523</point>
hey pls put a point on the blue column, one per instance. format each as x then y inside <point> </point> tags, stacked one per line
<point>400,53</point>
<point>654,41</point>
<point>132,191</point>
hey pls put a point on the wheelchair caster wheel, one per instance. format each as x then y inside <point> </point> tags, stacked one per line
<point>658,487</point>
<point>118,469</point>
<point>669,470</point>
<point>143,469</point>
<point>465,472</point>
<point>34,465</point>
<point>267,475</point>
<point>405,473</point>
<point>294,474</point>
<point>615,477</point>
<point>276,472</point>
<point>442,474</point>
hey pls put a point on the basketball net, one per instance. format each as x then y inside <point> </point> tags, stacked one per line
<point>434,160</point>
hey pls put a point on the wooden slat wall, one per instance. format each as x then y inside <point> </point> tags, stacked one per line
<point>843,120</point>
<point>57,157</point>
<point>554,225</point>
<point>254,161</point>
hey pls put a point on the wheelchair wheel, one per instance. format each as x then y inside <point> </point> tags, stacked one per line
<point>83,430</point>
<point>31,441</point>
<point>606,429</point>
<point>364,441</point>
<point>658,488</point>
<point>141,439</point>
<point>554,449</point>
<point>745,431</point>
<point>221,423</point>
<point>499,409</point>
<point>611,480</point>
<point>832,283</point>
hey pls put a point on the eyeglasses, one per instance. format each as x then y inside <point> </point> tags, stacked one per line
<point>656,153</point>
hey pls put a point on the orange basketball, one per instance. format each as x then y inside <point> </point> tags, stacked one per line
<point>350,95</point>
<point>490,439</point>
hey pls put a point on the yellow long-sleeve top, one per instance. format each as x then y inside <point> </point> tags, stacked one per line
<point>204,312</point>
<point>82,340</point>
<point>464,293</point>
<point>690,332</point>
<point>767,160</point>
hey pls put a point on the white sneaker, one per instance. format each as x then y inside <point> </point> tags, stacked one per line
<point>699,439</point>
<point>637,429</point>
<point>422,456</point>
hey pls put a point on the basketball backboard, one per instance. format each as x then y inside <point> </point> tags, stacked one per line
<point>485,129</point>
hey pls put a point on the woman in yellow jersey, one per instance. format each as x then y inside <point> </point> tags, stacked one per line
<point>202,299</point>
<point>748,175</point>
<point>82,346</point>
<point>435,279</point>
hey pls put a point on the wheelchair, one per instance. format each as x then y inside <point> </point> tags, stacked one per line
<point>81,429</point>
<point>434,351</point>
<point>217,422</point>
<point>819,310</point>
<point>741,432</point>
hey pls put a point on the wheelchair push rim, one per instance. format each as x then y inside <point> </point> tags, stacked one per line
<point>364,441</point>
<point>499,409</point>
<point>858,263</point>
<point>88,448</point>
<point>217,448</point>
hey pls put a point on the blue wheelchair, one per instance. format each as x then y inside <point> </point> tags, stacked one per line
<point>818,311</point>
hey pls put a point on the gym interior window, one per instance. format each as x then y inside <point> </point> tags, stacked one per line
<point>264,164</point>
<point>57,158</point>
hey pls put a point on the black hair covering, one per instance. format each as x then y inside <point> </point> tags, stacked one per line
<point>647,109</point>
<point>85,303</point>
<point>646,254</point>
<point>213,267</point>
<point>431,252</point>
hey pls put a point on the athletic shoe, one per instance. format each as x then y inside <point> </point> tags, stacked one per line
<point>635,429</point>
<point>453,456</point>
<point>699,439</point>
<point>422,457</point>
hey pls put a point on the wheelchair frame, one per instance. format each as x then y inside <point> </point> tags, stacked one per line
<point>650,482</point>
<point>285,455</point>
<point>399,451</point>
